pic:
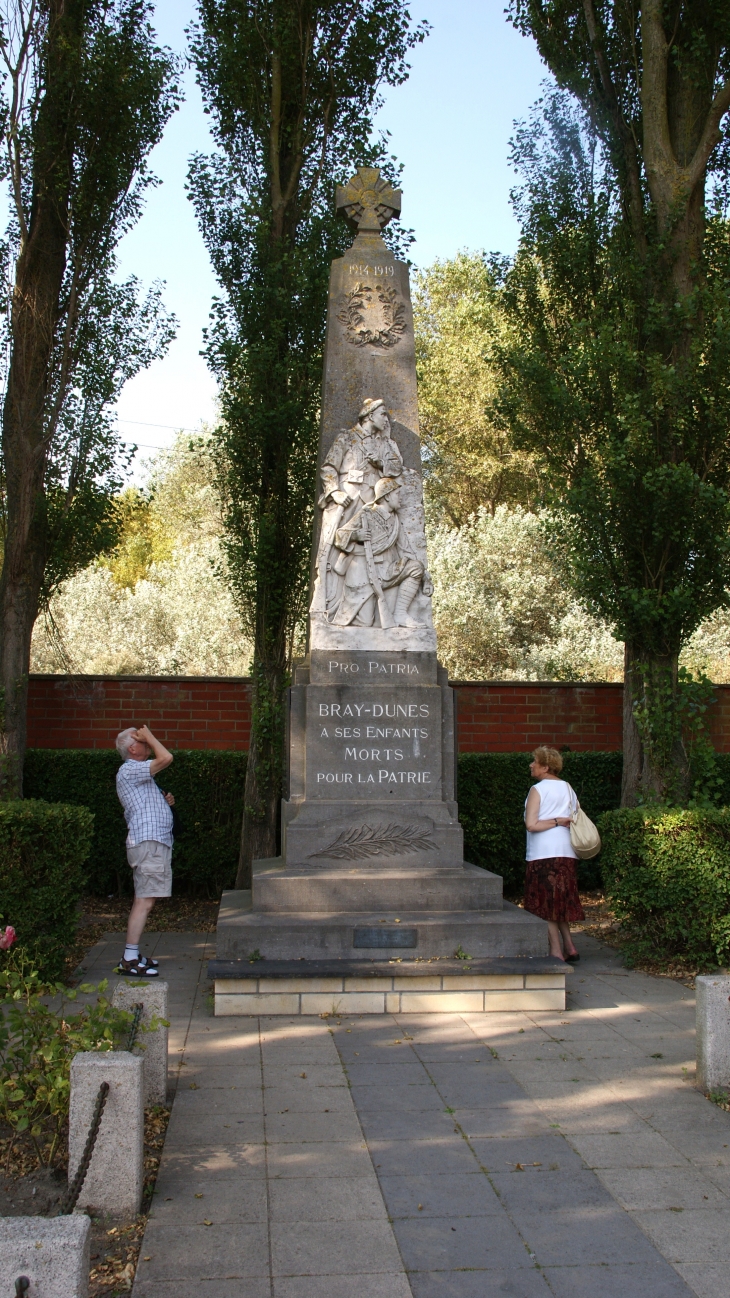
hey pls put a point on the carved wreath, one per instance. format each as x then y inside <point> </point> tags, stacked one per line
<point>356,303</point>
<point>388,840</point>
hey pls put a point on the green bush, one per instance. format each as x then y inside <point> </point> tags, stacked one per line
<point>492,789</point>
<point>38,1042</point>
<point>208,787</point>
<point>43,850</point>
<point>667,873</point>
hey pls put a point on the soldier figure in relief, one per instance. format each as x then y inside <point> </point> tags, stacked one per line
<point>379,559</point>
<point>357,459</point>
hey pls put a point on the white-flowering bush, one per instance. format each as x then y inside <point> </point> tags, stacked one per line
<point>179,620</point>
<point>502,611</point>
<point>709,649</point>
<point>159,604</point>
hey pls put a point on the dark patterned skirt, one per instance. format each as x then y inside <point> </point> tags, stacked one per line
<point>551,890</point>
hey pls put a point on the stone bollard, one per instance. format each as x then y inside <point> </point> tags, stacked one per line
<point>52,1252</point>
<point>151,1045</point>
<point>713,1032</point>
<point>115,1177</point>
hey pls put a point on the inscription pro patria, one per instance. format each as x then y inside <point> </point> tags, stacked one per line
<point>372,850</point>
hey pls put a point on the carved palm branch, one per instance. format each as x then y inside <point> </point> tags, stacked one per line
<point>382,840</point>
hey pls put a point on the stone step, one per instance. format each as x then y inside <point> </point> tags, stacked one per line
<point>243,931</point>
<point>290,889</point>
<point>336,987</point>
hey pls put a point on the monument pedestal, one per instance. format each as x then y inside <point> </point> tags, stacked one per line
<point>371,908</point>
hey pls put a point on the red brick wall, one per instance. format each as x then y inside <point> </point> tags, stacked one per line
<point>506,717</point>
<point>184,711</point>
<point>214,712</point>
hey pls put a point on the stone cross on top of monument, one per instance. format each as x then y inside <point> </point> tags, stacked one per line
<point>368,201</point>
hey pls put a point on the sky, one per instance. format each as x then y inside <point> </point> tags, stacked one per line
<point>450,125</point>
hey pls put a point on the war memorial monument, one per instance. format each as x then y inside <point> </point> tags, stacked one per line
<point>371,907</point>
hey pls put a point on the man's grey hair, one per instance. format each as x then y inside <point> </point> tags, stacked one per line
<point>124,739</point>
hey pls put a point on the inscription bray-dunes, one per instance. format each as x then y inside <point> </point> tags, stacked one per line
<point>373,746</point>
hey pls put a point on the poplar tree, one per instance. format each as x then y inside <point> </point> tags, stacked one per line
<point>617,372</point>
<point>291,87</point>
<point>86,96</point>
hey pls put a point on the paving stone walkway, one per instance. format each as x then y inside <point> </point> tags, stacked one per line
<point>438,1156</point>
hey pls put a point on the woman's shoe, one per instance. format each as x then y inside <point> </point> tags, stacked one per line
<point>572,959</point>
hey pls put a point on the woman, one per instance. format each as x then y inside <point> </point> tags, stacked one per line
<point>551,887</point>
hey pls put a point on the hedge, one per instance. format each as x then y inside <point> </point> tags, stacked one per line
<point>667,874</point>
<point>208,788</point>
<point>43,850</point>
<point>492,789</point>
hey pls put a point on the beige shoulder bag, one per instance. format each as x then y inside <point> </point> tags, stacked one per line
<point>584,837</point>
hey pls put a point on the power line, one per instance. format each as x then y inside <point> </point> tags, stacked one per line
<point>141,423</point>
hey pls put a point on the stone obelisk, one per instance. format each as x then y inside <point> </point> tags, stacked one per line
<point>372,882</point>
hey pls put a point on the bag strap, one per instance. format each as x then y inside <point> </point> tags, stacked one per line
<point>575,798</point>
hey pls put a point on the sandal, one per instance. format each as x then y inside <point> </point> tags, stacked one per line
<point>136,969</point>
<point>147,961</point>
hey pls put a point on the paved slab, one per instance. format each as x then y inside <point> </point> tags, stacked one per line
<point>448,1156</point>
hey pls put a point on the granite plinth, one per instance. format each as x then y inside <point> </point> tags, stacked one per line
<point>281,935</point>
<point>323,834</point>
<point>280,888</point>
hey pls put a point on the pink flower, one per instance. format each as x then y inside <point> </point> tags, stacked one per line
<point>7,938</point>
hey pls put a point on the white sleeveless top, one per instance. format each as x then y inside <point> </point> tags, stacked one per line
<point>556,799</point>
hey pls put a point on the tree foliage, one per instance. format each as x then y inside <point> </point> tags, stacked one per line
<point>503,610</point>
<point>137,609</point>
<point>291,88</point>
<point>616,369</point>
<point>87,94</point>
<point>469,458</point>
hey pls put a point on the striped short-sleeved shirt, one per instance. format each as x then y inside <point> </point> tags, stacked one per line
<point>148,816</point>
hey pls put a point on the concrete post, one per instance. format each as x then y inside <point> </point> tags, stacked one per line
<point>52,1252</point>
<point>152,1046</point>
<point>115,1177</point>
<point>713,1032</point>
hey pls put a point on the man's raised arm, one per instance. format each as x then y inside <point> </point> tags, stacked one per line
<point>161,758</point>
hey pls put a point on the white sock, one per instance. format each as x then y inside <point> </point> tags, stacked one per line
<point>131,952</point>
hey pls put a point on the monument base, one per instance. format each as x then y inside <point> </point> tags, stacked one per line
<point>388,986</point>
<point>360,961</point>
<point>372,881</point>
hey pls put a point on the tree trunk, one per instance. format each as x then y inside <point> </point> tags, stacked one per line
<point>633,758</point>
<point>262,795</point>
<point>38,279</point>
<point>665,774</point>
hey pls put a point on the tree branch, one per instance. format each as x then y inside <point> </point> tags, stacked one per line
<point>626,135</point>
<point>711,136</point>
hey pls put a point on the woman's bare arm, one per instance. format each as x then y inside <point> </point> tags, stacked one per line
<point>532,811</point>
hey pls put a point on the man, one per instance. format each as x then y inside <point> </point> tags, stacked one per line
<point>379,558</point>
<point>149,838</point>
<point>356,461</point>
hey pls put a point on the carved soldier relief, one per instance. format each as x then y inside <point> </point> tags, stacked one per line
<point>371,569</point>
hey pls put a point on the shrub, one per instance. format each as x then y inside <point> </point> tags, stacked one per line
<point>208,787</point>
<point>43,849</point>
<point>492,790</point>
<point>37,1044</point>
<point>667,874</point>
